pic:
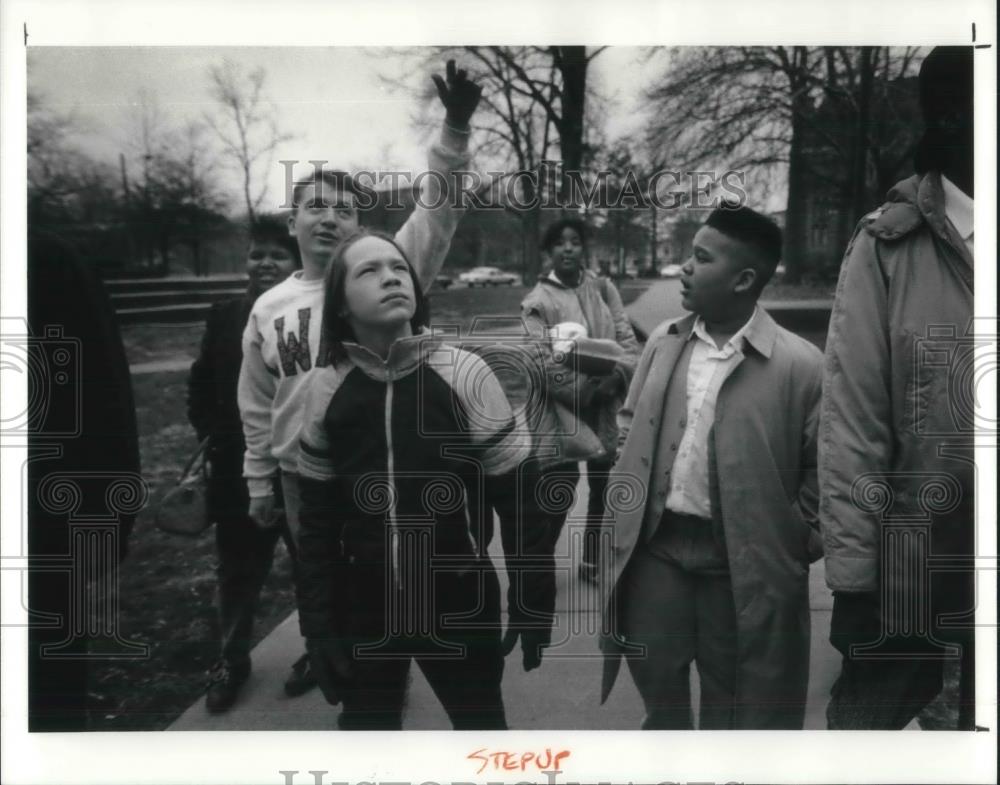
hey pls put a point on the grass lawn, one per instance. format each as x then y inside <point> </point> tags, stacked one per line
<point>167,584</point>
<point>146,343</point>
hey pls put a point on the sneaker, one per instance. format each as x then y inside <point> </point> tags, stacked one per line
<point>225,680</point>
<point>301,679</point>
<point>588,572</point>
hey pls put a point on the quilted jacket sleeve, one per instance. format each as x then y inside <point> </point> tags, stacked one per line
<point>855,433</point>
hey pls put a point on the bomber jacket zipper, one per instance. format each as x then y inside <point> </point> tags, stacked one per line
<point>391,475</point>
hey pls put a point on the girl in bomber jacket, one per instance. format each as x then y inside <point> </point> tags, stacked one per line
<point>398,427</point>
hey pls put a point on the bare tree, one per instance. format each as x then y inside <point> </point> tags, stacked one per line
<point>188,191</point>
<point>767,107</point>
<point>175,197</point>
<point>58,172</point>
<point>149,142</point>
<point>247,127</point>
<point>67,189</point>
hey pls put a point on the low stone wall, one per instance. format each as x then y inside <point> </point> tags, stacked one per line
<point>180,299</point>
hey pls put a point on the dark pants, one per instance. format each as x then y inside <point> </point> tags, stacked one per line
<point>453,634</point>
<point>532,512</point>
<point>677,601</point>
<point>57,694</point>
<point>597,483</point>
<point>556,492</point>
<point>557,489</point>
<point>246,553</point>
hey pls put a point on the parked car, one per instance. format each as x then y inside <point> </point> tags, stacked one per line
<point>444,281</point>
<point>779,270</point>
<point>488,276</point>
<point>670,271</point>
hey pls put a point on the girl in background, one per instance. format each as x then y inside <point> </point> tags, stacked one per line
<point>570,293</point>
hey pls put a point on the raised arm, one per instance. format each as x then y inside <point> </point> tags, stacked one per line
<point>426,235</point>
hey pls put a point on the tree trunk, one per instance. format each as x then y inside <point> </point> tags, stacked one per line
<point>653,266</point>
<point>251,217</point>
<point>796,225</point>
<point>859,180</point>
<point>531,218</point>
<point>164,254</point>
<point>531,257</point>
<point>619,249</point>
<point>199,269</point>
<point>572,62</point>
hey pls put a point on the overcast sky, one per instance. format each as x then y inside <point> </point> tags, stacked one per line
<point>331,98</point>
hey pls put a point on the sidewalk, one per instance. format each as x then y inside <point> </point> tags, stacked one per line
<point>562,694</point>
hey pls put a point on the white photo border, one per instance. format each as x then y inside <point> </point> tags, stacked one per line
<point>419,756</point>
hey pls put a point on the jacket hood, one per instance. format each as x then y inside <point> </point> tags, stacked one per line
<point>912,202</point>
<point>405,355</point>
<point>900,215</point>
<point>905,191</point>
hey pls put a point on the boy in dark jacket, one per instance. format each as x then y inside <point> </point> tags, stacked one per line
<point>897,427</point>
<point>82,436</point>
<point>245,550</point>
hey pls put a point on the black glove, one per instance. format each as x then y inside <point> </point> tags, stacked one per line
<point>587,397</point>
<point>532,642</point>
<point>856,619</point>
<point>608,388</point>
<point>459,95</point>
<point>331,663</point>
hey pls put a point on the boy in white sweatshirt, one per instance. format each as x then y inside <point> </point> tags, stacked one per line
<point>281,342</point>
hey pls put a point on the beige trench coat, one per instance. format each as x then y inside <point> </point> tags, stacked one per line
<point>762,469</point>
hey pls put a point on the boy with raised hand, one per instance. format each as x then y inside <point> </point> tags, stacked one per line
<point>281,342</point>
<point>714,567</point>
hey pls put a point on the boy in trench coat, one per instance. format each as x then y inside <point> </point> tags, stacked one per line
<point>720,429</point>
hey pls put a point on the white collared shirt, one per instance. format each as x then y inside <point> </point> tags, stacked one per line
<point>709,367</point>
<point>958,206</point>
